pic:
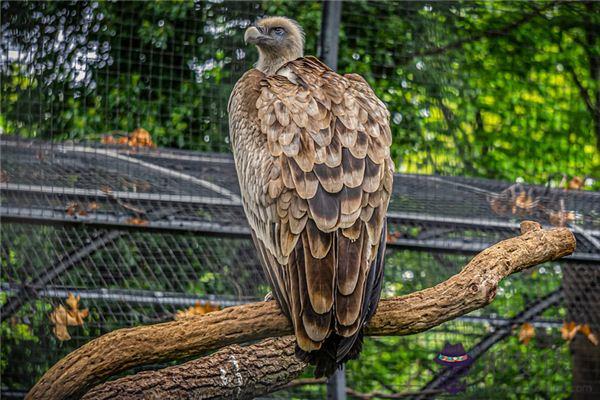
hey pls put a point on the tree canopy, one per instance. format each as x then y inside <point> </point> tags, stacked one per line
<point>499,90</point>
<point>504,90</point>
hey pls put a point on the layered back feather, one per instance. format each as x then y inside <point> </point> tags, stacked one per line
<point>311,149</point>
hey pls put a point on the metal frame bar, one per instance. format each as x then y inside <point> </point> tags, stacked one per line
<point>403,217</point>
<point>67,191</point>
<point>183,299</point>
<point>507,321</point>
<point>535,309</point>
<point>127,296</point>
<point>328,49</point>
<point>157,168</point>
<point>462,247</point>
<point>107,221</point>
<point>164,153</point>
<point>51,217</point>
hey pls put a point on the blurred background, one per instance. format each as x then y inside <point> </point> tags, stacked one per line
<point>120,204</point>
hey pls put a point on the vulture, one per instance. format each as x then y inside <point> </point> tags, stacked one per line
<point>312,154</point>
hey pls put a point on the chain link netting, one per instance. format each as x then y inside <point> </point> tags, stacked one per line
<point>117,186</point>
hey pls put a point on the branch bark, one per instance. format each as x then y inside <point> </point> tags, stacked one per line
<point>234,372</point>
<point>474,287</point>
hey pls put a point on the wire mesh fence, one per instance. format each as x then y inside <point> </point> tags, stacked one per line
<point>116,185</point>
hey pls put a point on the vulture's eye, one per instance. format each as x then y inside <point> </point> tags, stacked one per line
<point>278,31</point>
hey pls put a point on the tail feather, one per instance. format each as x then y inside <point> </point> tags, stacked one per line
<point>337,350</point>
<point>333,354</point>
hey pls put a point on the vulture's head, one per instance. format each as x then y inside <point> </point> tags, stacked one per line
<point>278,39</point>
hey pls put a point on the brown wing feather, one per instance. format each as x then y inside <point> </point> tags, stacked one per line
<point>324,200</point>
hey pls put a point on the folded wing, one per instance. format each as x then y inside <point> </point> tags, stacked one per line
<point>324,188</point>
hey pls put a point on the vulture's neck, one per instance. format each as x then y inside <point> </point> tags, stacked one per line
<point>268,62</point>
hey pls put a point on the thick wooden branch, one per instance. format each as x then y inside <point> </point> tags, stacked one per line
<point>234,372</point>
<point>474,287</point>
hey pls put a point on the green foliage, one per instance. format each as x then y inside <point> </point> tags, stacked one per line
<point>481,89</point>
<point>474,88</point>
<point>491,89</point>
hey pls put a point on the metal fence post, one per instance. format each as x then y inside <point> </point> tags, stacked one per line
<point>336,385</point>
<point>328,52</point>
<point>330,33</point>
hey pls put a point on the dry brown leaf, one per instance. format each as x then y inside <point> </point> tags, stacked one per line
<point>593,338</point>
<point>74,312</point>
<point>71,208</point>
<point>569,330</point>
<point>140,138</point>
<point>3,176</point>
<point>58,317</point>
<point>526,332</point>
<point>197,309</point>
<point>502,203</point>
<point>62,317</point>
<point>521,200</point>
<point>576,183</point>
<point>137,221</point>
<point>498,205</point>
<point>523,203</point>
<point>108,139</point>
<point>74,208</point>
<point>587,331</point>
<point>561,218</point>
<point>130,207</point>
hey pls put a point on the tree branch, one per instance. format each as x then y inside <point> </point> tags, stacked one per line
<point>490,33</point>
<point>474,287</point>
<point>233,372</point>
<point>585,95</point>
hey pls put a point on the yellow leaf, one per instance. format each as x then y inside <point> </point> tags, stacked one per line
<point>59,318</point>
<point>137,221</point>
<point>75,316</point>
<point>108,139</point>
<point>524,201</point>
<point>140,138</point>
<point>587,331</point>
<point>526,333</point>
<point>561,218</point>
<point>197,309</point>
<point>62,318</point>
<point>576,183</point>
<point>569,330</point>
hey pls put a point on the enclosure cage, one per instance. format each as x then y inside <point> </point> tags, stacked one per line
<point>117,187</point>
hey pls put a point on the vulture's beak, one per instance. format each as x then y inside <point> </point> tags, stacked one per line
<point>253,36</point>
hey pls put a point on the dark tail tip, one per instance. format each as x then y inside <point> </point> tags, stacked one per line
<point>334,352</point>
<point>325,364</point>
